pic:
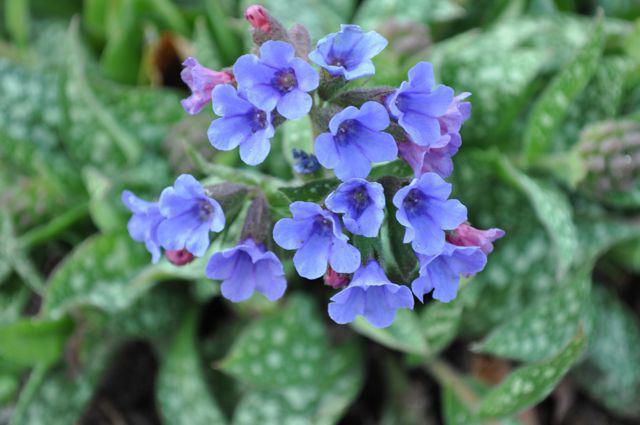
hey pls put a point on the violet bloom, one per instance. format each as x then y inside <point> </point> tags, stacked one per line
<point>424,159</point>
<point>425,211</point>
<point>372,295</point>
<point>466,235</point>
<point>189,216</point>
<point>240,124</point>
<point>362,204</point>
<point>417,106</point>
<point>246,268</point>
<point>355,141</point>
<point>348,53</point>
<point>201,81</point>
<point>317,235</point>
<point>441,273</point>
<point>278,79</point>
<point>143,224</point>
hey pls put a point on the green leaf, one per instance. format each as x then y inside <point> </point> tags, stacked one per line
<point>440,323</point>
<point>108,272</point>
<point>544,327</point>
<point>373,13</point>
<point>403,335</point>
<point>612,356</point>
<point>457,412</point>
<point>297,134</point>
<point>13,256</point>
<point>549,111</point>
<point>16,14</point>
<point>53,397</point>
<point>103,212</point>
<point>530,384</point>
<point>397,168</point>
<point>314,191</point>
<point>30,342</point>
<point>205,49</point>
<point>322,402</point>
<point>181,369</point>
<point>283,349</point>
<point>553,210</point>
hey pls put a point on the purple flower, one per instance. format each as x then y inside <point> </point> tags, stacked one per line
<point>278,79</point>
<point>425,211</point>
<point>465,235</point>
<point>362,204</point>
<point>246,268</point>
<point>240,124</point>
<point>372,295</point>
<point>417,106</point>
<point>355,141</point>
<point>424,159</point>
<point>189,216</point>
<point>317,235</point>
<point>441,273</point>
<point>201,81</point>
<point>143,224</point>
<point>348,53</point>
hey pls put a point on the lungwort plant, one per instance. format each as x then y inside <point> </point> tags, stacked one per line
<point>314,234</point>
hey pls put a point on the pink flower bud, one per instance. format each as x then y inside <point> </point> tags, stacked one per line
<point>201,81</point>
<point>258,18</point>
<point>466,235</point>
<point>334,279</point>
<point>179,257</point>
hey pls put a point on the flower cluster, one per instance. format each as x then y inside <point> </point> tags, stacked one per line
<point>335,237</point>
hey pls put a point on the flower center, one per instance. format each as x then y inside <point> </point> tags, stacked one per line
<point>259,120</point>
<point>360,199</point>
<point>413,200</point>
<point>323,225</point>
<point>205,210</point>
<point>345,131</point>
<point>285,80</point>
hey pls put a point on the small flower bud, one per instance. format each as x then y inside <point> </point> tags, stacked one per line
<point>229,195</point>
<point>304,163</point>
<point>257,224</point>
<point>258,18</point>
<point>301,40</point>
<point>466,235</point>
<point>357,97</point>
<point>179,257</point>
<point>264,26</point>
<point>334,279</point>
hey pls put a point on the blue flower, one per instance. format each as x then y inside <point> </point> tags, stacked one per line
<point>189,216</point>
<point>417,106</point>
<point>372,295</point>
<point>278,79</point>
<point>355,141</point>
<point>247,268</point>
<point>143,224</point>
<point>425,212</point>
<point>348,53</point>
<point>362,204</point>
<point>317,235</point>
<point>441,273</point>
<point>241,124</point>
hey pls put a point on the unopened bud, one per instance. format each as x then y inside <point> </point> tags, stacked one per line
<point>466,235</point>
<point>357,97</point>
<point>301,40</point>
<point>179,257</point>
<point>257,224</point>
<point>334,279</point>
<point>610,152</point>
<point>229,195</point>
<point>264,26</point>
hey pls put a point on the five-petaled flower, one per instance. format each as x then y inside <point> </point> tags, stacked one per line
<point>348,53</point>
<point>189,216</point>
<point>240,124</point>
<point>441,273</point>
<point>277,79</point>
<point>355,140</point>
<point>246,268</point>
<point>362,205</point>
<point>317,236</point>
<point>417,105</point>
<point>466,235</point>
<point>143,224</point>
<point>426,212</point>
<point>372,295</point>
<point>201,81</point>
